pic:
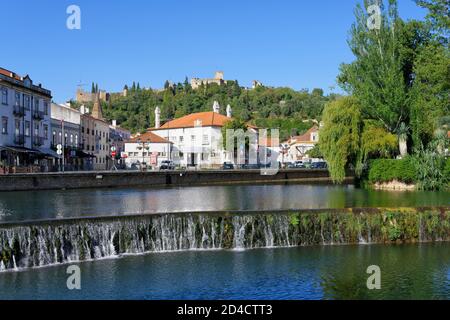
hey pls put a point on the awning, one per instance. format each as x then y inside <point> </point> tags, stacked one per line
<point>50,153</point>
<point>82,154</point>
<point>19,149</point>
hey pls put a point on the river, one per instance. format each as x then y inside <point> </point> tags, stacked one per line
<point>29,205</point>
<point>207,268</point>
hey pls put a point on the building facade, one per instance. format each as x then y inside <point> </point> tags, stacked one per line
<point>197,139</point>
<point>118,137</point>
<point>95,135</point>
<point>25,124</point>
<point>298,146</point>
<point>66,131</point>
<point>147,150</point>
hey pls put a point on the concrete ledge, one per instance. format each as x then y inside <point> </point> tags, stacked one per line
<point>114,179</point>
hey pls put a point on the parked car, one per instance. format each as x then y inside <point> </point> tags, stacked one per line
<point>167,165</point>
<point>319,165</point>
<point>227,166</point>
<point>248,166</point>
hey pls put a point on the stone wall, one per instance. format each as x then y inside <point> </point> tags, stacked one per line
<point>76,180</point>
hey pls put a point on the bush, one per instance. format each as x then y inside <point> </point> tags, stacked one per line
<point>385,170</point>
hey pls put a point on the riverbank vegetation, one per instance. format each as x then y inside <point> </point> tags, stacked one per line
<point>399,100</point>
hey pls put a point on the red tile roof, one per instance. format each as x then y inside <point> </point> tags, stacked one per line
<point>149,137</point>
<point>207,119</point>
<point>9,74</point>
<point>306,137</point>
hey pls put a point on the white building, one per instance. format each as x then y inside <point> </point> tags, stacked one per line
<point>25,123</point>
<point>66,131</point>
<point>148,148</point>
<point>197,138</point>
<point>298,146</point>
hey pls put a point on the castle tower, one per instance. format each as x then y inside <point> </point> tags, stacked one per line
<point>229,110</point>
<point>97,111</point>
<point>216,107</point>
<point>157,117</point>
<point>219,75</point>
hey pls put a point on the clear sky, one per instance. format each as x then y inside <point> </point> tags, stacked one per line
<point>295,43</point>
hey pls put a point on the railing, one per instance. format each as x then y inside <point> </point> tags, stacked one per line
<point>38,141</point>
<point>19,111</point>
<point>19,139</point>
<point>38,115</point>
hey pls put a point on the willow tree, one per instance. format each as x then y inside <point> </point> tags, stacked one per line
<point>340,135</point>
<point>376,77</point>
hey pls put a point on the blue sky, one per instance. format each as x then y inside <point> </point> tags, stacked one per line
<point>295,43</point>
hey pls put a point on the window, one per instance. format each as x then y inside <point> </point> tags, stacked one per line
<point>45,131</point>
<point>193,138</point>
<point>17,127</point>
<point>4,125</point>
<point>205,139</point>
<point>4,95</point>
<point>36,104</point>
<point>181,139</point>
<point>27,128</point>
<point>36,129</point>
<point>54,138</point>
<point>87,130</point>
<point>76,140</point>
<point>87,147</point>
<point>46,108</point>
<point>71,139</point>
<point>17,99</point>
<point>60,137</point>
<point>26,102</point>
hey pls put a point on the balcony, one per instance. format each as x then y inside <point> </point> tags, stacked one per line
<point>19,139</point>
<point>38,115</point>
<point>38,141</point>
<point>18,111</point>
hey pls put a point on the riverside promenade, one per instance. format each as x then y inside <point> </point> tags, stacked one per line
<point>113,179</point>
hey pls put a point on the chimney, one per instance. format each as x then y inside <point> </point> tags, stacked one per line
<point>157,118</point>
<point>229,111</point>
<point>216,107</point>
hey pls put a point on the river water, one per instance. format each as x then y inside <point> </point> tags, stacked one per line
<point>337,272</point>
<point>415,271</point>
<point>20,206</point>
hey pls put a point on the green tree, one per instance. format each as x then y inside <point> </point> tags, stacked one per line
<point>438,16</point>
<point>376,76</point>
<point>430,92</point>
<point>340,135</point>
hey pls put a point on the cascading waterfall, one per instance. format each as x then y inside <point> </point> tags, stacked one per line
<point>55,242</point>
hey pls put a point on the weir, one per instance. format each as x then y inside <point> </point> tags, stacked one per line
<point>35,244</point>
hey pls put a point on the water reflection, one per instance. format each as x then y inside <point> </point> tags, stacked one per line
<point>335,272</point>
<point>18,206</point>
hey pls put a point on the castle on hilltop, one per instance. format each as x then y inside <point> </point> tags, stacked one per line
<point>218,79</point>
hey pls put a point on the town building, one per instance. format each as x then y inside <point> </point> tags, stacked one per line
<point>25,124</point>
<point>197,139</point>
<point>297,147</point>
<point>95,133</point>
<point>118,136</point>
<point>66,131</point>
<point>218,79</point>
<point>147,150</point>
